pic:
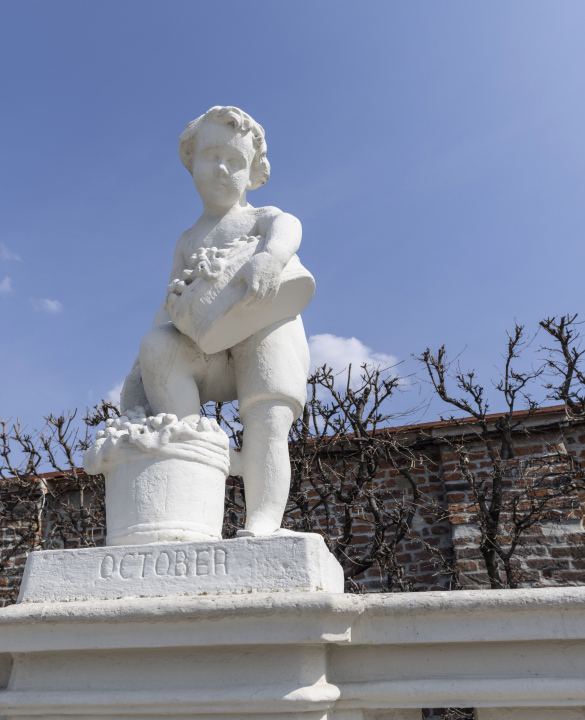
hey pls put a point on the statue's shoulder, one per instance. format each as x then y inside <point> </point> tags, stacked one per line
<point>186,238</point>
<point>187,235</point>
<point>269,212</point>
<point>265,216</point>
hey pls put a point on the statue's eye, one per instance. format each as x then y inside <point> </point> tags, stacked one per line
<point>235,163</point>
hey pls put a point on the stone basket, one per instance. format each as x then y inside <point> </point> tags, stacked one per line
<point>165,479</point>
<point>163,500</point>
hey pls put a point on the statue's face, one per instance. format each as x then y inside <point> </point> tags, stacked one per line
<point>221,167</point>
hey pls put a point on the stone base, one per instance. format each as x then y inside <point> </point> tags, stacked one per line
<point>296,563</point>
<point>511,654</point>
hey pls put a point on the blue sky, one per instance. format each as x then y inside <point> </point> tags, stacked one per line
<point>434,152</point>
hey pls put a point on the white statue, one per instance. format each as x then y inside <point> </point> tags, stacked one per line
<point>228,329</point>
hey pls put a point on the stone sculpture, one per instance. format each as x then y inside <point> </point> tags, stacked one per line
<point>229,328</point>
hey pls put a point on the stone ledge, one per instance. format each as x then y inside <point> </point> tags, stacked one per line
<point>414,618</point>
<point>248,655</point>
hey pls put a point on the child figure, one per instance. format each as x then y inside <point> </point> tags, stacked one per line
<point>225,152</point>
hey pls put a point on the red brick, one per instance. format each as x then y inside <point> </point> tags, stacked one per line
<point>466,565</point>
<point>561,551</point>
<point>439,530</point>
<point>570,576</point>
<point>547,564</point>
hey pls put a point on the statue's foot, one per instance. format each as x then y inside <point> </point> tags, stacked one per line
<point>279,532</point>
<point>246,533</point>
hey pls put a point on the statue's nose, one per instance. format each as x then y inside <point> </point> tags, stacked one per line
<point>222,169</point>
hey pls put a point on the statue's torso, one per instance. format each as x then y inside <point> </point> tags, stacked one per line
<point>213,252</point>
<point>206,234</point>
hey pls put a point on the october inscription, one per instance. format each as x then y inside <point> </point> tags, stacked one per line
<point>174,562</point>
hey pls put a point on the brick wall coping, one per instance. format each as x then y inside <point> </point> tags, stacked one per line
<point>50,476</point>
<point>431,432</point>
<point>553,415</point>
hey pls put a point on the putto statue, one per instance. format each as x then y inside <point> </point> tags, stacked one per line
<point>229,328</point>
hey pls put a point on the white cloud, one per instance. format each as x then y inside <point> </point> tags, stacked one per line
<point>113,395</point>
<point>5,286</point>
<point>338,352</point>
<point>7,254</point>
<point>48,306</point>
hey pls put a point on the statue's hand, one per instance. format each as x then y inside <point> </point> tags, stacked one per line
<point>174,292</point>
<point>177,305</point>
<point>262,274</point>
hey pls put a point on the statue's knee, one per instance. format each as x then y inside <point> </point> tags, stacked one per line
<point>157,343</point>
<point>274,413</point>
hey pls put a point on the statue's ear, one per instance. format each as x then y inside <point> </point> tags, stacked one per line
<point>258,178</point>
<point>259,172</point>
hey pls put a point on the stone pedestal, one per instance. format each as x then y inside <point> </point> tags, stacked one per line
<point>297,656</point>
<point>295,563</point>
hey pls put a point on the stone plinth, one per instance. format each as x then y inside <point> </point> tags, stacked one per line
<point>512,654</point>
<point>295,563</point>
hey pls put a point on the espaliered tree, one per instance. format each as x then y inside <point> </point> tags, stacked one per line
<point>341,451</point>
<point>338,449</point>
<point>46,500</point>
<point>564,364</point>
<point>513,494</point>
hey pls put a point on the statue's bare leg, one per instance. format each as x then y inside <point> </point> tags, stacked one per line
<point>166,362</point>
<point>266,463</point>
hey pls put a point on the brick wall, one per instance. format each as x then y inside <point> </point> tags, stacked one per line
<point>420,570</point>
<point>553,551</point>
<point>57,517</point>
<point>427,529</point>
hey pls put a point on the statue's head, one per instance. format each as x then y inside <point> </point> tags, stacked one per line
<point>225,140</point>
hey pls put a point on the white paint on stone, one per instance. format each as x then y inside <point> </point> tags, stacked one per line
<point>465,530</point>
<point>563,526</point>
<point>296,563</point>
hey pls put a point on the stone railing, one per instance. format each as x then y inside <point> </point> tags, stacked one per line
<point>512,654</point>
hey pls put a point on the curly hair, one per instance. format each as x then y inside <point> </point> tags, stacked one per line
<point>241,122</point>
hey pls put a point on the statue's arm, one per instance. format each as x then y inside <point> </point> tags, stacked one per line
<point>133,390</point>
<point>161,317</point>
<point>263,271</point>
<point>283,237</point>
<point>179,265</point>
